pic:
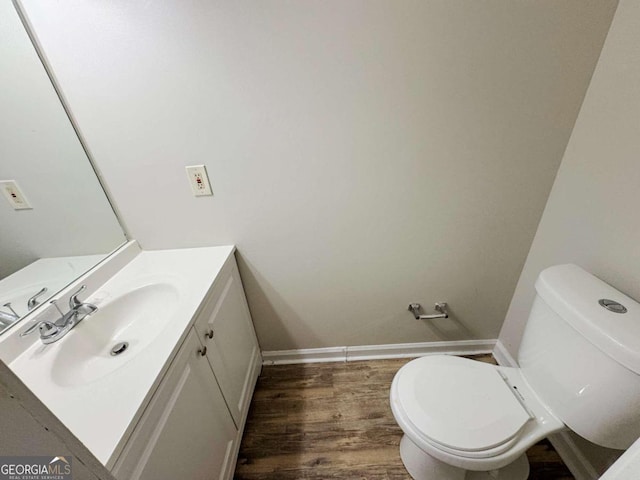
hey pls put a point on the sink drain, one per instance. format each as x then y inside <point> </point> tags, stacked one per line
<point>119,348</point>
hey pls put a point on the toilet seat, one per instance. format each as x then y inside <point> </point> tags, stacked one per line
<point>460,406</point>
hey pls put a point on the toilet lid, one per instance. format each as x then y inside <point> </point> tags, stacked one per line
<point>459,403</point>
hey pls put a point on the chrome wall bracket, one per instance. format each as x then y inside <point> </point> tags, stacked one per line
<point>440,307</point>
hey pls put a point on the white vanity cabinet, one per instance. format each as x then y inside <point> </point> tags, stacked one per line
<point>224,326</point>
<point>185,431</point>
<point>193,424</point>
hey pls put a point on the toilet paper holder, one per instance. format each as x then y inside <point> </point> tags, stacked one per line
<point>440,307</point>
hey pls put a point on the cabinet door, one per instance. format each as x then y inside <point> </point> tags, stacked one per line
<point>226,329</point>
<point>186,431</point>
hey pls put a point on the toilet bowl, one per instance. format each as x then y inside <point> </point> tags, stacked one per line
<point>462,415</point>
<point>579,368</point>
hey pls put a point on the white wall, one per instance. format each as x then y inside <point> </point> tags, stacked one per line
<point>39,149</point>
<point>363,154</point>
<point>591,218</point>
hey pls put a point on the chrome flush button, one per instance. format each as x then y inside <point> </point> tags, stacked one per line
<point>612,306</point>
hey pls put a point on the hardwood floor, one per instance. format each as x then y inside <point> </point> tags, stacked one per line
<point>333,421</point>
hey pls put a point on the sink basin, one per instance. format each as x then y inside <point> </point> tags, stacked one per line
<point>146,298</point>
<point>137,317</point>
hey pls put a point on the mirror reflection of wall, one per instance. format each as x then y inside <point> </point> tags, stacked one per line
<point>70,224</point>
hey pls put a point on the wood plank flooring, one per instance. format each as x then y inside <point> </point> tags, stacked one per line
<point>333,421</point>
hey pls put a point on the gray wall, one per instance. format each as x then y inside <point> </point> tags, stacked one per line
<point>591,218</point>
<point>363,154</point>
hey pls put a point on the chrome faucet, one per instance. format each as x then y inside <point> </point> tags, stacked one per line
<point>33,301</point>
<point>8,317</point>
<point>53,331</point>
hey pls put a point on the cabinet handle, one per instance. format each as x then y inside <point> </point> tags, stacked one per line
<point>209,334</point>
<point>202,351</point>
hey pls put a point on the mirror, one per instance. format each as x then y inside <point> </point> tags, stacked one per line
<point>55,219</point>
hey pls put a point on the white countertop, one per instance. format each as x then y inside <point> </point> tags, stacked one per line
<point>102,413</point>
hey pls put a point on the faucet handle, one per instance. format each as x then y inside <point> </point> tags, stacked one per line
<point>8,306</point>
<point>47,329</point>
<point>73,300</point>
<point>54,302</point>
<point>33,301</point>
<point>31,329</point>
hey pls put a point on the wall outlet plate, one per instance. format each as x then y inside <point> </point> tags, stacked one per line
<point>199,180</point>
<point>14,195</point>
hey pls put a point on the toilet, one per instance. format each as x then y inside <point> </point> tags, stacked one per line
<point>579,369</point>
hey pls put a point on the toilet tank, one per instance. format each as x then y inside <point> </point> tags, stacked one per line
<point>582,356</point>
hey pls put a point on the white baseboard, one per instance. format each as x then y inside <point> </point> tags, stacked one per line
<point>411,350</point>
<point>306,355</point>
<point>502,355</point>
<point>574,459</point>
<point>377,352</point>
<point>572,456</point>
